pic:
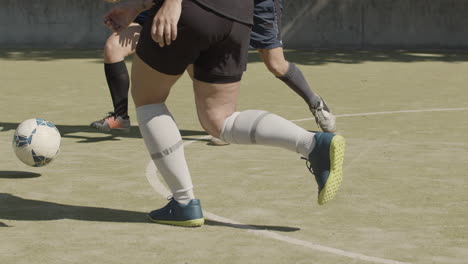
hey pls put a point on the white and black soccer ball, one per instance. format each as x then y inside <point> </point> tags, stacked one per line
<point>36,142</point>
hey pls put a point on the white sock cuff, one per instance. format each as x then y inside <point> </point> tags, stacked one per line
<point>305,143</point>
<point>147,112</point>
<point>184,196</point>
<point>227,126</point>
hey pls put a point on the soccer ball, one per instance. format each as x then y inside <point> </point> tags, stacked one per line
<point>36,142</point>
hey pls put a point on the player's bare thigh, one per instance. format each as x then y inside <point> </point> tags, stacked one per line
<point>215,102</point>
<point>149,86</point>
<point>122,44</point>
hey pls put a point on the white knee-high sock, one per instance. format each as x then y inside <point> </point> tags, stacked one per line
<point>165,145</point>
<point>264,128</point>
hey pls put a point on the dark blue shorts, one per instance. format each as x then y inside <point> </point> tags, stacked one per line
<point>141,18</point>
<point>267,24</point>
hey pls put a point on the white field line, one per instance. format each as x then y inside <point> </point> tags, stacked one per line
<point>151,174</point>
<point>392,112</point>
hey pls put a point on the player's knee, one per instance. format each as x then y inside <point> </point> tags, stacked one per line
<point>213,125</point>
<point>113,51</point>
<point>110,46</point>
<point>277,67</point>
<point>211,130</point>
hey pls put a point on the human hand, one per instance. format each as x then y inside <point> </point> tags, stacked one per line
<point>164,28</point>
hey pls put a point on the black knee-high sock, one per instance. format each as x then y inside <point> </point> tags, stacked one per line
<point>296,81</point>
<point>119,82</point>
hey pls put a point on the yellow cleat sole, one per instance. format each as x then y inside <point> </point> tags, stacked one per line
<point>337,149</point>
<point>188,223</point>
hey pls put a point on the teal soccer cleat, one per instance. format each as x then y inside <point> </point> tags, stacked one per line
<point>177,214</point>
<point>326,163</point>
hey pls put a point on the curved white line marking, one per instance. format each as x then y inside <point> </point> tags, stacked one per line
<point>393,112</point>
<point>151,175</point>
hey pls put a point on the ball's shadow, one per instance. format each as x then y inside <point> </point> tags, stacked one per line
<point>68,131</point>
<point>18,174</point>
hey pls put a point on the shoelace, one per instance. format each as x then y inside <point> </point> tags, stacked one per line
<point>109,114</point>
<point>318,113</point>
<point>308,165</point>
<point>167,208</point>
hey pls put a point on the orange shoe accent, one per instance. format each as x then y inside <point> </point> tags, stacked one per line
<point>113,122</point>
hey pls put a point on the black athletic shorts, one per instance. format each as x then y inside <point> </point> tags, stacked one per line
<point>215,45</point>
<point>142,17</point>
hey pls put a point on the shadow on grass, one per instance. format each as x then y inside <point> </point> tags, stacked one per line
<point>252,227</point>
<point>16,208</point>
<point>313,57</point>
<point>68,131</point>
<point>18,174</point>
<point>51,54</point>
<point>321,57</point>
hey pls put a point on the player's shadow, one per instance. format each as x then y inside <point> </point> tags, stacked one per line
<point>28,54</point>
<point>355,56</point>
<point>302,57</point>
<point>19,209</point>
<point>18,174</point>
<point>87,134</point>
<point>16,208</point>
<point>252,227</point>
